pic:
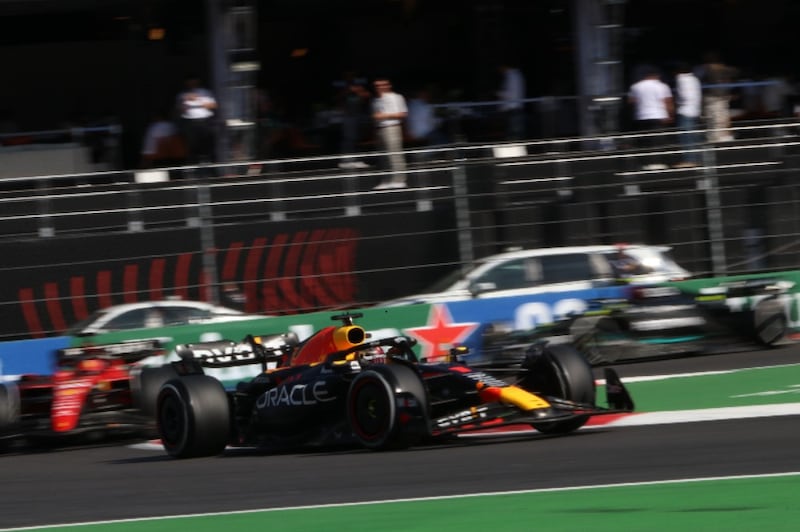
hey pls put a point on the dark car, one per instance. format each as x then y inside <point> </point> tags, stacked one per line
<point>340,387</point>
<point>658,321</point>
<point>95,391</point>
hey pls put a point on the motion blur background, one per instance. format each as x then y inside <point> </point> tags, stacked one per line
<point>73,63</point>
<point>299,231</point>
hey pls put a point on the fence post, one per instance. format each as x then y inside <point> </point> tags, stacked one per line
<point>207,243</point>
<point>716,234</point>
<point>46,229</point>
<point>135,222</point>
<point>461,202</point>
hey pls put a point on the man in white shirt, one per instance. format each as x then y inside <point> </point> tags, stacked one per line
<point>689,104</point>
<point>389,110</point>
<point>197,107</point>
<point>653,109</point>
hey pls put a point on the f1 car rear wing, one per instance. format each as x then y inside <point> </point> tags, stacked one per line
<point>130,351</point>
<point>265,350</point>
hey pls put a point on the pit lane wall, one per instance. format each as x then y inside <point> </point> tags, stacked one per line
<point>437,327</point>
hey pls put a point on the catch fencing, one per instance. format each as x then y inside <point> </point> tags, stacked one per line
<point>304,234</point>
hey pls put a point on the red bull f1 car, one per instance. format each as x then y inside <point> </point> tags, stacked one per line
<point>95,391</point>
<point>339,386</point>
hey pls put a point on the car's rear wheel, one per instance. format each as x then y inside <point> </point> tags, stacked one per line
<point>561,371</point>
<point>769,322</point>
<point>193,416</point>
<point>145,388</point>
<point>9,414</point>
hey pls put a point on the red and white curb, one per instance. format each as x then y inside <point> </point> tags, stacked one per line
<point>692,416</point>
<point>669,417</point>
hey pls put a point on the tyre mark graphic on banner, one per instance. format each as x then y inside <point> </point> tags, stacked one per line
<point>104,288</point>
<point>181,288</point>
<point>349,264</point>
<point>326,264</point>
<point>129,283</point>
<point>300,271</point>
<point>251,274</point>
<point>205,285</point>
<point>77,290</point>
<point>157,278</point>
<point>269,289</point>
<point>294,299</point>
<point>312,276</point>
<point>29,312</point>
<point>54,306</point>
<point>339,283</point>
<point>231,260</point>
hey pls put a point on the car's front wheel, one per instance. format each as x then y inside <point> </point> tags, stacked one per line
<point>560,371</point>
<point>193,416</point>
<point>769,322</point>
<point>372,410</point>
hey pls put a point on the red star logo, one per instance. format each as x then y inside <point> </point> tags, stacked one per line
<point>441,334</point>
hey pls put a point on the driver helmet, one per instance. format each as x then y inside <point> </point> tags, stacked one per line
<point>91,365</point>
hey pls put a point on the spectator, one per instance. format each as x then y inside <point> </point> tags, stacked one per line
<point>717,97</point>
<point>354,105</point>
<point>423,125</point>
<point>653,106</point>
<point>512,96</point>
<point>777,97</point>
<point>389,110</point>
<point>689,104</point>
<point>162,145</point>
<point>197,108</point>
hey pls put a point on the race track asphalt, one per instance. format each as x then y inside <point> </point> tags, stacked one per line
<point>118,481</point>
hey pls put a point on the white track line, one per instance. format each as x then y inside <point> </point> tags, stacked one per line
<point>419,499</point>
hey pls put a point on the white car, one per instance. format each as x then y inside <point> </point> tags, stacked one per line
<point>151,314</point>
<point>545,270</point>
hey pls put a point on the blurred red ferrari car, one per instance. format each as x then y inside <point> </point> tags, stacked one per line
<point>95,391</point>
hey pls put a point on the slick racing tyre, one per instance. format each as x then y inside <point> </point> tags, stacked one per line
<point>9,413</point>
<point>146,384</point>
<point>372,407</point>
<point>561,371</point>
<point>193,416</point>
<point>769,322</point>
